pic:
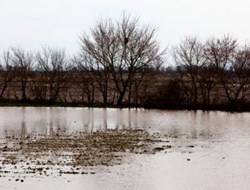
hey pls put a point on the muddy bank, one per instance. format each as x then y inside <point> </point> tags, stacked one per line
<point>73,154</point>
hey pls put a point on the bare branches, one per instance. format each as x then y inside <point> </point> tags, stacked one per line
<point>118,52</point>
<point>189,57</point>
<point>219,52</point>
<point>219,63</point>
<point>24,62</point>
<point>53,65</point>
<point>8,72</point>
<point>119,63</point>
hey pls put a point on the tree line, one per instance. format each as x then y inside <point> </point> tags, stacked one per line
<point>120,63</point>
<point>214,74</point>
<point>114,67</point>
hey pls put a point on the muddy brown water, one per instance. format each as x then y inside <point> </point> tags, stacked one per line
<point>209,150</point>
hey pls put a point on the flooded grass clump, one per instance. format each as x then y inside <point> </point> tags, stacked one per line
<point>70,154</point>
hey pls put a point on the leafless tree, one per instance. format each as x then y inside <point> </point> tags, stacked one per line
<point>219,56</point>
<point>23,62</point>
<point>84,81</point>
<point>53,66</point>
<point>142,87</point>
<point>38,87</point>
<point>8,72</point>
<point>119,52</point>
<point>189,57</point>
<point>237,77</point>
<point>207,79</point>
<point>98,52</point>
<point>139,51</point>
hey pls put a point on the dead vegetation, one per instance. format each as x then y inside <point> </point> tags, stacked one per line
<point>73,153</point>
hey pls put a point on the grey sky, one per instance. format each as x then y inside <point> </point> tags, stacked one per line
<point>32,23</point>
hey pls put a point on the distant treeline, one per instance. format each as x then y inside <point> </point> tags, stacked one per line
<point>208,75</point>
<point>120,64</point>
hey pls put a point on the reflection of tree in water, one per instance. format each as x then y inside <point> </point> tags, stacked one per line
<point>199,123</point>
<point>205,117</point>
<point>23,131</point>
<point>55,128</point>
<point>93,120</point>
<point>52,122</point>
<point>119,118</point>
<point>23,126</point>
<point>88,121</point>
<point>16,137</point>
<point>105,119</point>
<point>50,129</point>
<point>194,120</point>
<point>136,118</point>
<point>129,118</point>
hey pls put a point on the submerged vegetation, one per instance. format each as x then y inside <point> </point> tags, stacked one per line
<point>120,63</point>
<point>74,153</point>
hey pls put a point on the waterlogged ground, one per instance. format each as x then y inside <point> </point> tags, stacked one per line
<point>42,157</point>
<point>72,154</point>
<point>68,148</point>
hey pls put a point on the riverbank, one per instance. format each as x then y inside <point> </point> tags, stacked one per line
<point>220,107</point>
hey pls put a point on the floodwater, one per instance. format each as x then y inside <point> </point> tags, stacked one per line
<point>210,150</point>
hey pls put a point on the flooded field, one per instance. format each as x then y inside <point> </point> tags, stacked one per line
<point>85,148</point>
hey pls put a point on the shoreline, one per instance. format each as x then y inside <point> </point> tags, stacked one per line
<point>224,108</point>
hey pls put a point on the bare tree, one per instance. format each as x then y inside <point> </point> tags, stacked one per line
<point>38,86</point>
<point>120,52</point>
<point>8,72</point>
<point>189,57</point>
<point>84,81</point>
<point>53,66</point>
<point>142,87</point>
<point>98,51</point>
<point>139,53</point>
<point>237,78</point>
<point>23,61</point>
<point>207,79</point>
<point>219,56</point>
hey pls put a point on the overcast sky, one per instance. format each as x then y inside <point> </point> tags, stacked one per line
<point>56,23</point>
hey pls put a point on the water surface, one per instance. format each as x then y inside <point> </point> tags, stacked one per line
<point>211,150</point>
